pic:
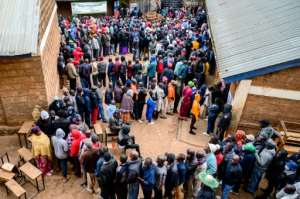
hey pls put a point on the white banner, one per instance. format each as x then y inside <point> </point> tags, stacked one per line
<point>89,7</point>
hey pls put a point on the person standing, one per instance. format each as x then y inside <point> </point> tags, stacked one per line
<point>107,175</point>
<point>172,176</point>
<point>121,178</point>
<point>127,106</point>
<point>72,74</point>
<point>195,113</point>
<point>186,101</point>
<point>160,177</point>
<point>263,160</point>
<point>85,70</point>
<point>61,151</point>
<point>224,121</point>
<point>94,72</point>
<point>134,171</point>
<point>102,66</point>
<point>233,174</point>
<point>148,178</point>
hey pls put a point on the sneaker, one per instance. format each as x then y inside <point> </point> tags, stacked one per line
<point>192,132</point>
<point>204,133</point>
<point>140,121</point>
<point>65,180</point>
<point>151,123</point>
<point>163,117</point>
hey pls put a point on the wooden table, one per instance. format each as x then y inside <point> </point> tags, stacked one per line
<point>32,173</point>
<point>25,154</point>
<point>15,188</point>
<point>24,131</point>
<point>99,131</point>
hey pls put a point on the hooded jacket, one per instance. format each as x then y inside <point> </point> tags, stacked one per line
<point>77,137</point>
<point>196,106</point>
<point>264,158</point>
<point>60,145</point>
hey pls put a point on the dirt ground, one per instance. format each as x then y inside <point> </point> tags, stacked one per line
<point>166,135</point>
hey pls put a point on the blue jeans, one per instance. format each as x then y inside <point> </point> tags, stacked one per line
<point>64,166</point>
<point>101,112</point>
<point>211,124</point>
<point>226,190</point>
<point>133,190</point>
<point>254,181</point>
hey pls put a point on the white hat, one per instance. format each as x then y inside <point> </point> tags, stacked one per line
<point>250,137</point>
<point>44,115</point>
<point>213,147</point>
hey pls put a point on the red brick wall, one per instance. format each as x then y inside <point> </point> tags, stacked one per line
<point>21,88</point>
<point>272,109</point>
<point>285,79</point>
<point>49,61</point>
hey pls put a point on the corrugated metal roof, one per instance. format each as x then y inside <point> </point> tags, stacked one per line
<point>19,27</point>
<point>251,35</point>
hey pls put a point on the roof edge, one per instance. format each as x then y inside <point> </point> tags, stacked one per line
<point>263,71</point>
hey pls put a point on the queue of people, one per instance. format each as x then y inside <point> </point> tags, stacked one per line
<point>171,61</point>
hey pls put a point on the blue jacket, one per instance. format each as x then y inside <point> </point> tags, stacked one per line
<point>182,169</point>
<point>148,175</point>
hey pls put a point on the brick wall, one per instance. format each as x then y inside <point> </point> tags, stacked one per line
<point>22,87</point>
<point>46,7</point>
<point>285,79</point>
<point>272,109</point>
<point>49,61</point>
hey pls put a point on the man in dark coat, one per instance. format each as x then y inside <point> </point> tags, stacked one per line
<point>107,175</point>
<point>172,176</point>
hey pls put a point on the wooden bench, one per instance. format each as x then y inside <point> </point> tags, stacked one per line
<point>25,155</point>
<point>15,188</point>
<point>24,131</point>
<point>33,174</point>
<point>6,176</point>
<point>113,137</point>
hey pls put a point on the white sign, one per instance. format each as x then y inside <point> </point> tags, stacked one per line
<point>89,8</point>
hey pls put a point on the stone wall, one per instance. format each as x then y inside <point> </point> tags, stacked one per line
<point>22,87</point>
<point>49,60</point>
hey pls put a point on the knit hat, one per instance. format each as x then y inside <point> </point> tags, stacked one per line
<point>44,115</point>
<point>213,147</point>
<point>208,180</point>
<point>249,147</point>
<point>191,84</point>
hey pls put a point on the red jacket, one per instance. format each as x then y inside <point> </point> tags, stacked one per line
<point>77,137</point>
<point>77,53</point>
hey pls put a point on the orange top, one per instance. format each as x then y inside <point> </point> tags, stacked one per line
<point>171,91</point>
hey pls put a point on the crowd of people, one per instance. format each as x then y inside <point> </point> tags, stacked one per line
<point>171,59</point>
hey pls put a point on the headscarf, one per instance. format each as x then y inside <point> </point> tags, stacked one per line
<point>191,84</point>
<point>240,137</point>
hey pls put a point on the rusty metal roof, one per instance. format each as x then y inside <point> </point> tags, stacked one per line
<point>19,27</point>
<point>254,37</point>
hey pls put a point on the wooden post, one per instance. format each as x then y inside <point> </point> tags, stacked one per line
<point>238,104</point>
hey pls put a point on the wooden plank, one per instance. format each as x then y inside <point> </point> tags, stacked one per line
<point>98,129</point>
<point>15,188</point>
<point>292,149</point>
<point>26,127</point>
<point>8,166</point>
<point>6,175</point>
<point>274,92</point>
<point>239,102</point>
<point>31,171</point>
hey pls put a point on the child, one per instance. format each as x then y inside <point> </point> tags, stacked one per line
<point>171,97</point>
<point>151,105</point>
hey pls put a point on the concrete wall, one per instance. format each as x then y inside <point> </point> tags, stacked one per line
<point>22,87</point>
